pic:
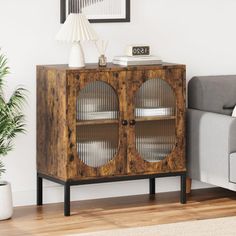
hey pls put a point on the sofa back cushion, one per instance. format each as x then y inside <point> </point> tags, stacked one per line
<point>212,93</point>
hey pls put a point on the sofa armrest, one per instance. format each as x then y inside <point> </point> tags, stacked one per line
<point>213,127</point>
<point>211,138</point>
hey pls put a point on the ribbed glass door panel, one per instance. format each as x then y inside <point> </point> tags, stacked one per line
<point>97,144</point>
<point>155,139</point>
<point>97,141</point>
<point>97,100</point>
<point>155,135</point>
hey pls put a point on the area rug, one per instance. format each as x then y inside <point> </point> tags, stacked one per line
<point>213,227</point>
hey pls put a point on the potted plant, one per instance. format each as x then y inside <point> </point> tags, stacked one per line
<point>11,123</point>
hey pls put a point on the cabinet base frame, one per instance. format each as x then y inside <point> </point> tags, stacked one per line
<point>69,183</point>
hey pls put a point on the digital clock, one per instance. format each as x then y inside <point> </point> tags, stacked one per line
<point>138,50</point>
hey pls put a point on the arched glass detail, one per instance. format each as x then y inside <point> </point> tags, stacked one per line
<point>97,124</point>
<point>155,108</point>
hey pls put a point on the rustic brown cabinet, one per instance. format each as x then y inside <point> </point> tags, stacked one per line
<point>110,124</point>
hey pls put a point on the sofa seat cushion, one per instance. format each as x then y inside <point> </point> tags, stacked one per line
<point>212,93</point>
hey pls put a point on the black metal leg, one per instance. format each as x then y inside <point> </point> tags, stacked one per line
<point>152,186</point>
<point>39,191</point>
<point>183,196</point>
<point>67,199</point>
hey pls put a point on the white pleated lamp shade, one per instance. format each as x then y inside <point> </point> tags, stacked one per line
<point>76,28</point>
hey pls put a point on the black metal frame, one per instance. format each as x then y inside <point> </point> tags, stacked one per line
<point>126,19</point>
<point>69,183</point>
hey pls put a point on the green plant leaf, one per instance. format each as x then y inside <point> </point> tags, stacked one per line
<point>12,119</point>
<point>2,170</point>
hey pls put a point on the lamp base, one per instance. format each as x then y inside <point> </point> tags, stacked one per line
<point>76,58</point>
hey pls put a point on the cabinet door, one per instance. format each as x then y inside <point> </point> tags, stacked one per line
<point>156,121</point>
<point>97,110</point>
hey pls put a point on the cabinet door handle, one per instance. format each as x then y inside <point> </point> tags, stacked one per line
<point>124,122</point>
<point>132,122</point>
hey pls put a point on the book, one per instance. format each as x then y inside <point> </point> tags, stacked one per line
<point>161,111</point>
<point>136,60</point>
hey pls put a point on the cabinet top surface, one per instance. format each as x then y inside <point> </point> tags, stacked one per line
<point>112,67</point>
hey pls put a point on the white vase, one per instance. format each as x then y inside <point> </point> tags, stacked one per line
<point>76,59</point>
<point>6,205</point>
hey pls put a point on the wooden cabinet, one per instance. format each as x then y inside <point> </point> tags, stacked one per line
<point>110,124</point>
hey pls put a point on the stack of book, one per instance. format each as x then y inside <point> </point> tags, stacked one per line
<point>136,60</point>
<point>137,55</point>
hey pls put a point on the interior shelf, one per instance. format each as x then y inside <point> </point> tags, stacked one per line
<point>155,118</point>
<point>109,121</point>
<point>139,119</point>
<point>96,122</point>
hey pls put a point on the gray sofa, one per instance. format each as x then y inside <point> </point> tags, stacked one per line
<point>211,131</point>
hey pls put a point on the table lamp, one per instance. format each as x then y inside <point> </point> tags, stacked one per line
<point>76,29</point>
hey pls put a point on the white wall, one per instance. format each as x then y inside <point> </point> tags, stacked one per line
<point>199,33</point>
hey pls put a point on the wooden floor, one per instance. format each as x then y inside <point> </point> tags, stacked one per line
<point>120,212</point>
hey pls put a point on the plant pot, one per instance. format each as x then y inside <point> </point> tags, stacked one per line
<point>6,206</point>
